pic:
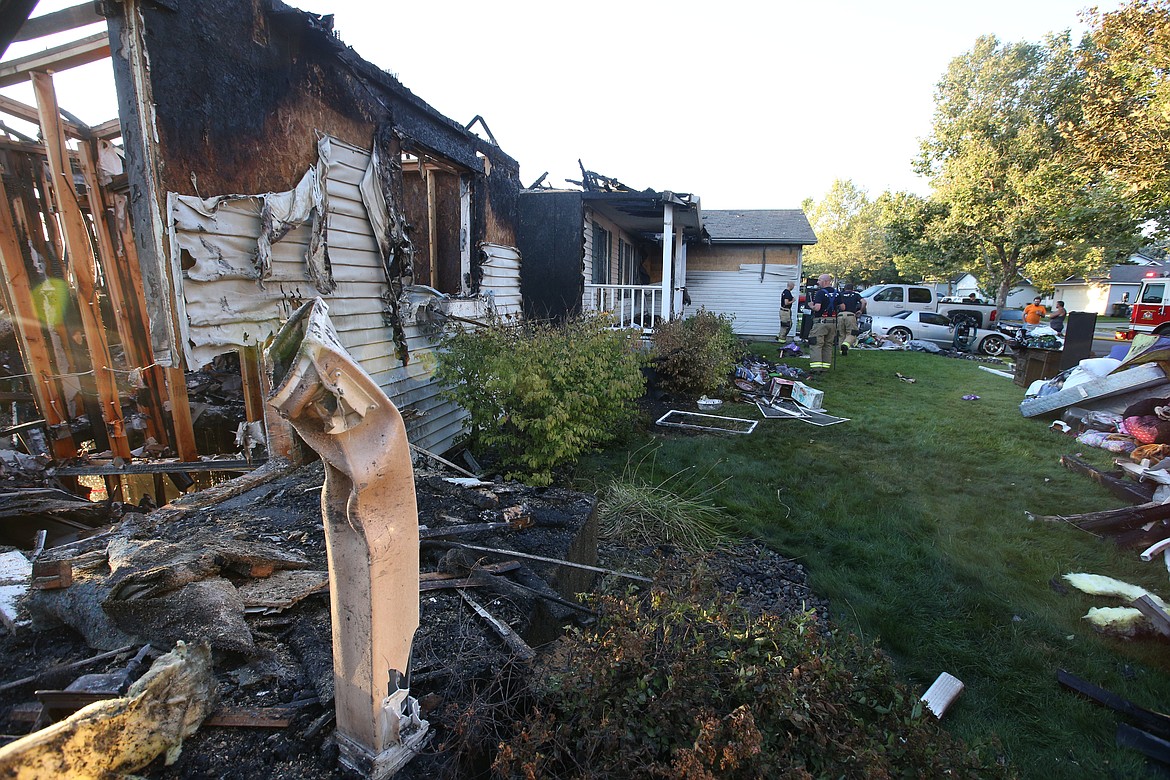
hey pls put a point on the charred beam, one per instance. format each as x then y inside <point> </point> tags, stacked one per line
<point>35,347</point>
<point>1121,519</point>
<point>81,264</point>
<point>59,21</point>
<point>29,114</point>
<point>1122,488</point>
<point>59,58</point>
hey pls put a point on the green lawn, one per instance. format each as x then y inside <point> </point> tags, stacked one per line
<point>910,518</point>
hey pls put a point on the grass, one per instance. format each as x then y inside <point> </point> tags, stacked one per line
<point>910,518</point>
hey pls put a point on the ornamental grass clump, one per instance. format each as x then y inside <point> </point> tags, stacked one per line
<point>540,395</point>
<point>677,510</point>
<point>696,356</point>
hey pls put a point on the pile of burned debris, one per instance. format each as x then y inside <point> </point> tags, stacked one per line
<point>246,575</point>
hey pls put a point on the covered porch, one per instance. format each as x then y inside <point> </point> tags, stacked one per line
<point>635,254</point>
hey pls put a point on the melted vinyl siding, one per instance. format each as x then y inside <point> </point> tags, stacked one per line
<point>228,308</point>
<point>501,279</point>
<point>755,305</point>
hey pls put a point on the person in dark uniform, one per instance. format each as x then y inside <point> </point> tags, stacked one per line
<point>852,307</point>
<point>786,301</point>
<point>823,336</point>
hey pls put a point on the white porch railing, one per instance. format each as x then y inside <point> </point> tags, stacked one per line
<point>632,305</point>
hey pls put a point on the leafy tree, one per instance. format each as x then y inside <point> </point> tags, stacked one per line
<point>1123,133</point>
<point>1003,177</point>
<point>918,241</point>
<point>850,242</point>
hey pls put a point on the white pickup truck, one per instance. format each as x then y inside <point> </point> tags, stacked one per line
<point>886,300</point>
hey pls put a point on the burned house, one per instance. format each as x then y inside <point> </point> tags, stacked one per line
<point>646,256</point>
<point>606,248</point>
<point>256,163</point>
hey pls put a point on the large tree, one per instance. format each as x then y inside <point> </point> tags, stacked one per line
<point>918,241</point>
<point>1123,133</point>
<point>1002,172</point>
<point>850,243</point>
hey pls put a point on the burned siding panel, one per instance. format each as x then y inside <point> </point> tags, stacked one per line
<point>226,305</point>
<point>501,279</point>
<point>552,243</point>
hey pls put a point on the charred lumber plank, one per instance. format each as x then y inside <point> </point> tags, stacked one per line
<point>1154,722</point>
<point>34,343</point>
<point>158,467</point>
<point>58,21</point>
<point>1157,616</point>
<point>562,562</point>
<point>1147,744</point>
<point>518,646</point>
<point>1124,518</point>
<point>80,254</point>
<point>59,58</point>
<point>252,717</point>
<point>65,668</point>
<point>1122,488</point>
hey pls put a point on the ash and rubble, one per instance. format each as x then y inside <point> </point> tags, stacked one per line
<point>210,573</point>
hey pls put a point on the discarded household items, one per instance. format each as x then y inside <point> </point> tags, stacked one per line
<point>371,529</point>
<point>1110,391</point>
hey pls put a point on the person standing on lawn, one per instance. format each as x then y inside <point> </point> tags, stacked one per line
<point>826,304</point>
<point>786,301</point>
<point>1056,321</point>
<point>1034,312</point>
<point>852,307</point>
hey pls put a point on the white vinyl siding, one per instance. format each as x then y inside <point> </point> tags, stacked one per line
<point>755,304</point>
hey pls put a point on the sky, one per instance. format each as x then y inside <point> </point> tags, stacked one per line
<point>749,105</point>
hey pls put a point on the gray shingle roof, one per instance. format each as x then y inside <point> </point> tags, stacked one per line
<point>772,226</point>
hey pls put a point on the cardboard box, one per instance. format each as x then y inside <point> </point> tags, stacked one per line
<point>808,397</point>
<point>781,388</point>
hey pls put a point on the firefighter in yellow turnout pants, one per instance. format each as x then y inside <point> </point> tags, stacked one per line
<point>852,306</point>
<point>823,337</point>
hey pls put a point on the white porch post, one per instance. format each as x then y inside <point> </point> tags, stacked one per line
<point>667,259</point>
<point>680,254</point>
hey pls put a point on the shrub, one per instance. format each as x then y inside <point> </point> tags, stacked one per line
<point>696,355</point>
<point>665,688</point>
<point>541,395</point>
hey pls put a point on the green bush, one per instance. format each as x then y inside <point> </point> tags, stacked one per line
<point>695,356</point>
<point>541,395</point>
<point>662,688</point>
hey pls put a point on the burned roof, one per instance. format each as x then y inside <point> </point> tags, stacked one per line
<point>759,226</point>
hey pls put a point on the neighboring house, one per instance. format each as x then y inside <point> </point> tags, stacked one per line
<point>1099,293</point>
<point>744,265</point>
<point>606,248</point>
<point>959,287</point>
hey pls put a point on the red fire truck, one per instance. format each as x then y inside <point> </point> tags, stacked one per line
<point>1150,312</point>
